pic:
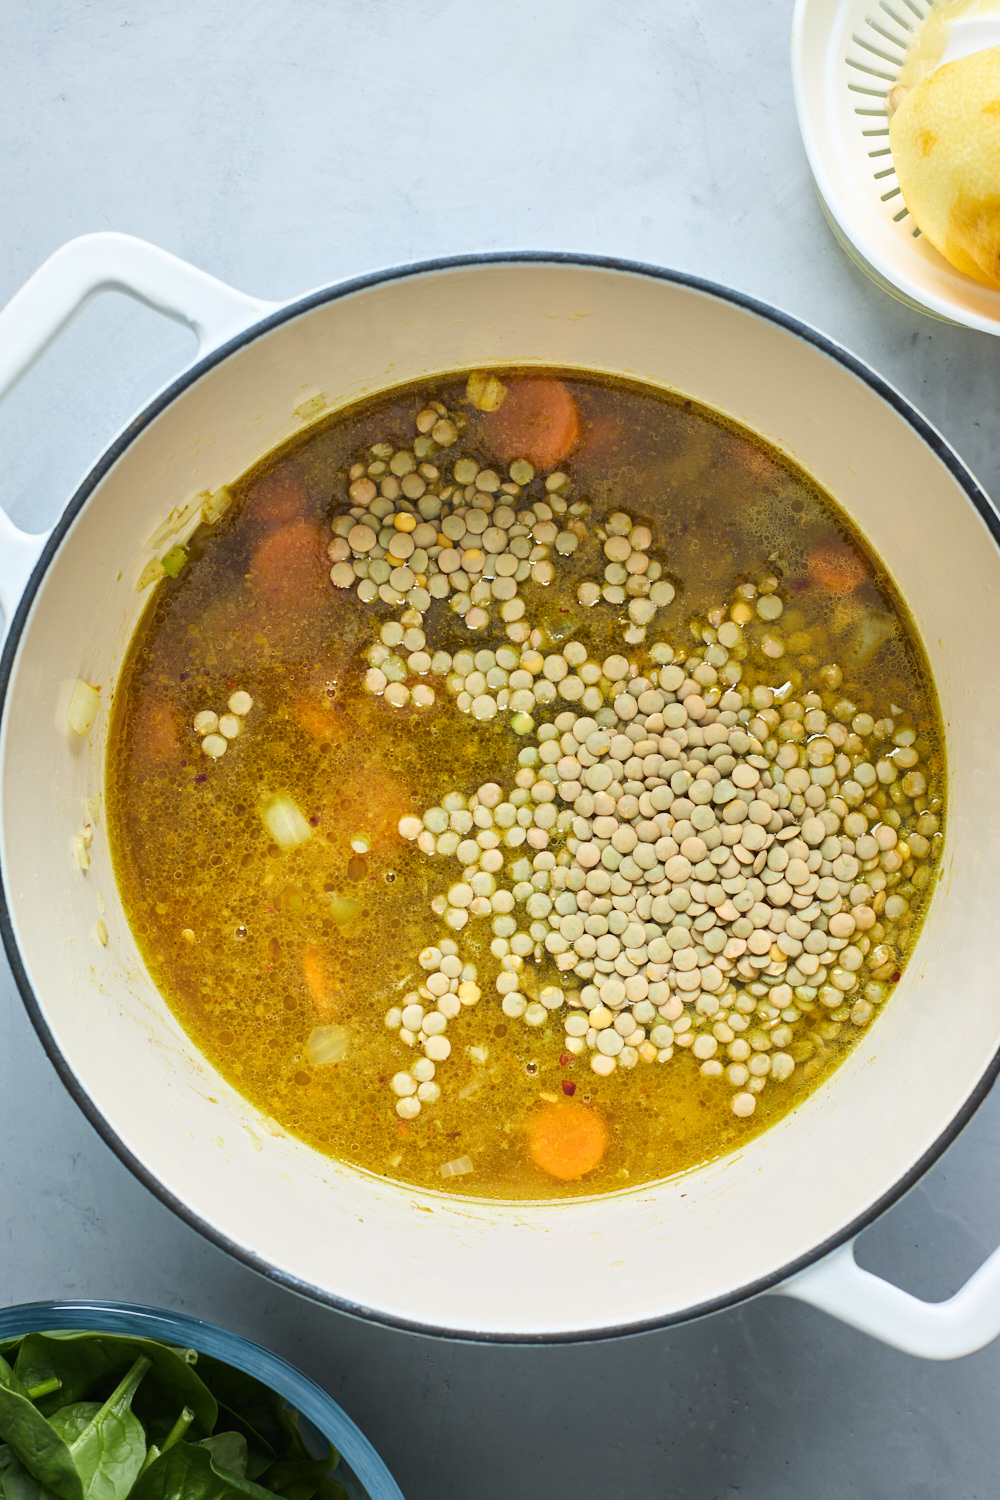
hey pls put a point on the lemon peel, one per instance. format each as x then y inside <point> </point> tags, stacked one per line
<point>945,140</point>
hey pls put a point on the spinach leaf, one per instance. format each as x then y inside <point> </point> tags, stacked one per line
<point>72,1419</point>
<point>299,1478</point>
<point>106,1440</point>
<point>89,1363</point>
<point>260,1409</point>
<point>189,1472</point>
<point>259,1450</point>
<point>229,1451</point>
<point>15,1481</point>
<point>108,1453</point>
<point>331,1489</point>
<point>70,1436</point>
<point>36,1445</point>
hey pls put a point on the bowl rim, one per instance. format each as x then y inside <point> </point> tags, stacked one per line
<point>139,1321</point>
<point>295,308</point>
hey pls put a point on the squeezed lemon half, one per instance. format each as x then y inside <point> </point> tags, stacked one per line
<point>945,139</point>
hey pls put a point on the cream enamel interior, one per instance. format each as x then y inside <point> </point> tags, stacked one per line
<point>428,1259</point>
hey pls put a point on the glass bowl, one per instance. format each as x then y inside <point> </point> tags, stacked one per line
<point>360,1471</point>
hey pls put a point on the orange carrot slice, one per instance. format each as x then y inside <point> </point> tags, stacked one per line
<point>287,567</point>
<point>319,982</point>
<point>157,732</point>
<point>601,439</point>
<point>538,420</point>
<point>388,802</point>
<point>365,800</point>
<point>278,498</point>
<point>837,567</point>
<point>322,720</point>
<point>567,1140</point>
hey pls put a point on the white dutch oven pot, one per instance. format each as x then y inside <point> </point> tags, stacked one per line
<point>779,1215</point>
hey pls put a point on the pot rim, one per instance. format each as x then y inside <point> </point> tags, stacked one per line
<point>159,403</point>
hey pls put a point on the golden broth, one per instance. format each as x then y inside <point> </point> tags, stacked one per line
<point>285,963</point>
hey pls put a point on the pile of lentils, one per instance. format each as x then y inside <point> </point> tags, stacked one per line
<point>686,862</point>
<point>415,534</point>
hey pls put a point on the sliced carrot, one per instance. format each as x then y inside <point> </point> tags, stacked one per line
<point>288,569</point>
<point>278,498</point>
<point>761,468</point>
<point>837,567</point>
<point>321,720</point>
<point>319,981</point>
<point>567,1140</point>
<point>387,802</point>
<point>365,800</point>
<point>157,732</point>
<point>538,420</point>
<point>602,438</point>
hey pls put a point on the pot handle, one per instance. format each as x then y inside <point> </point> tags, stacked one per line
<point>961,1325</point>
<point>37,314</point>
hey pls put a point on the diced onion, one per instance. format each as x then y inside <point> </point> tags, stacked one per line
<point>326,1044</point>
<point>284,822</point>
<point>343,909</point>
<point>311,408</point>
<point>485,392</point>
<point>875,628</point>
<point>151,573</point>
<point>457,1168</point>
<point>178,521</point>
<point>83,706</point>
<point>215,507</point>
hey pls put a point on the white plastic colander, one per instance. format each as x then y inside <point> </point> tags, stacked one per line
<point>846,56</point>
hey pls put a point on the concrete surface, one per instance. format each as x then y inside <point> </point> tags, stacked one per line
<point>281,146</point>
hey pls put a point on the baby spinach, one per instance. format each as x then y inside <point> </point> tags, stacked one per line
<point>15,1481</point>
<point>84,1361</point>
<point>106,1440</point>
<point>189,1471</point>
<point>35,1442</point>
<point>298,1478</point>
<point>93,1416</point>
<point>259,1408</point>
<point>229,1451</point>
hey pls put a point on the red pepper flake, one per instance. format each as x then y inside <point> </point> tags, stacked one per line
<point>201,778</point>
<point>896,977</point>
<point>403,1128</point>
<point>565,1058</point>
<point>568,1087</point>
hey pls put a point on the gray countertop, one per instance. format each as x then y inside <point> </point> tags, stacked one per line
<point>282,146</point>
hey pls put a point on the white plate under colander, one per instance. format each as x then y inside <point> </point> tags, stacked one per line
<point>846,56</point>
